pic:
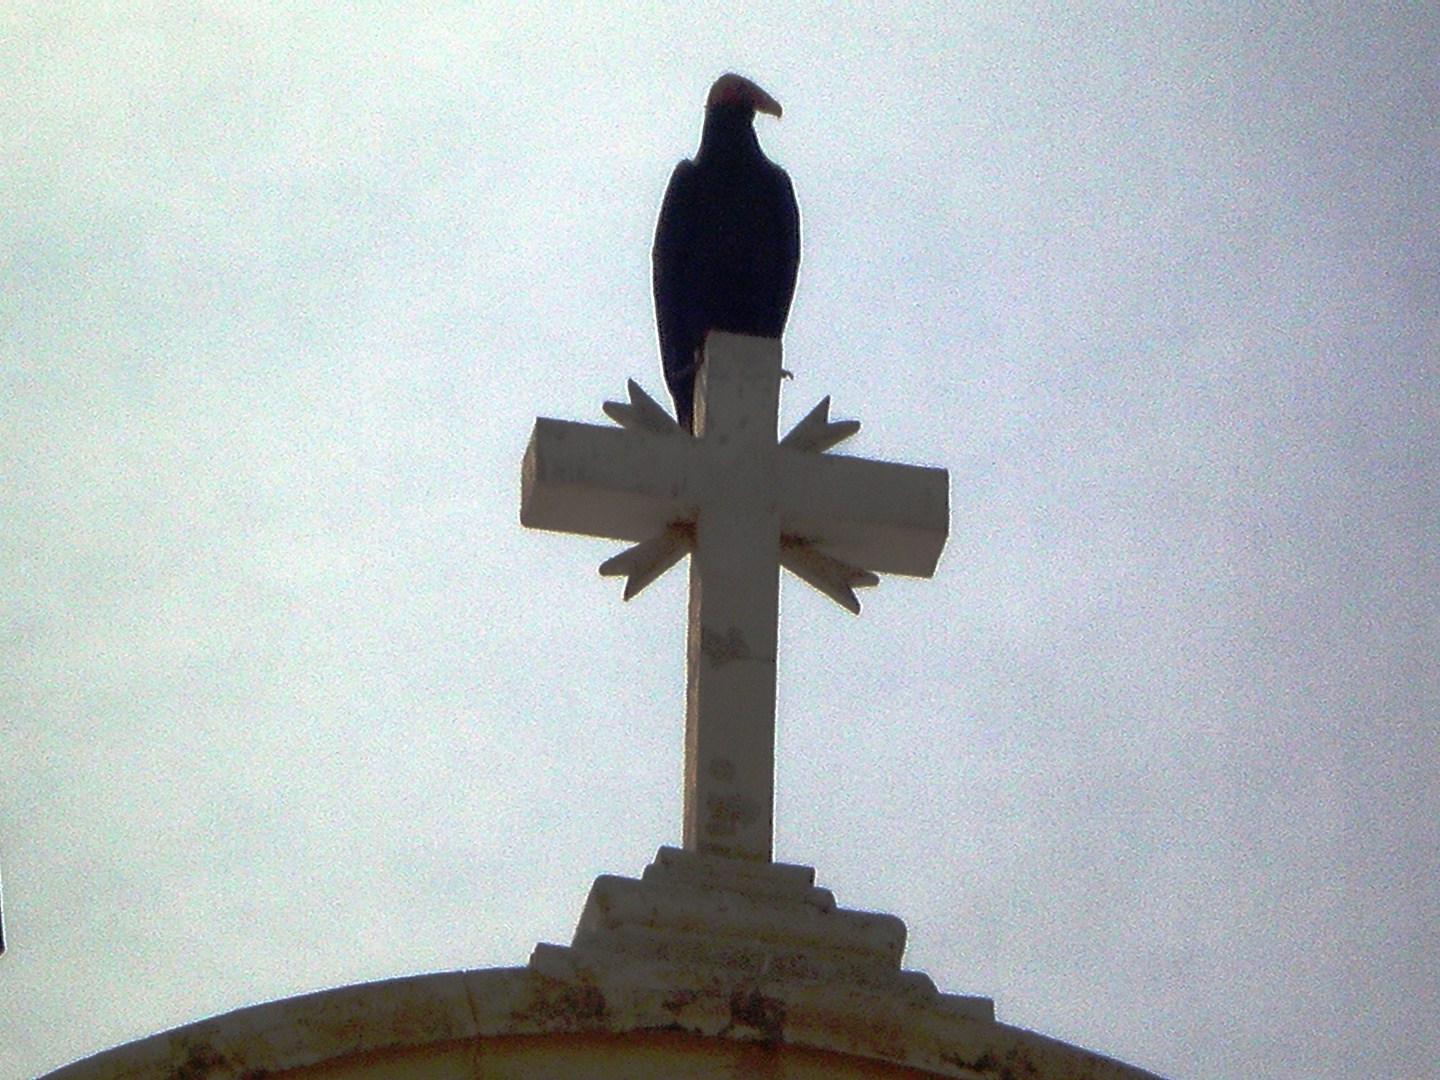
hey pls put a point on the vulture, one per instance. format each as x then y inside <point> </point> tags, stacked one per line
<point>727,245</point>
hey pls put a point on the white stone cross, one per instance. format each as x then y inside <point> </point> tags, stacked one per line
<point>741,505</point>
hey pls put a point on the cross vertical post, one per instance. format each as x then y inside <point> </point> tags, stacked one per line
<point>734,604</point>
<point>741,504</point>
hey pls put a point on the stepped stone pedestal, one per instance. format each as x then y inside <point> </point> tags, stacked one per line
<point>724,946</point>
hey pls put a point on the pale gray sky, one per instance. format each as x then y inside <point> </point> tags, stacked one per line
<point>290,700</point>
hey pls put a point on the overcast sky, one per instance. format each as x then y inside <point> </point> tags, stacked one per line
<point>290,700</point>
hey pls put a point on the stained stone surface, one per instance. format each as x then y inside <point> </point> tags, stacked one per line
<point>714,925</point>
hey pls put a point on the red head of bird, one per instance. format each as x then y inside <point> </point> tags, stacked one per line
<point>731,88</point>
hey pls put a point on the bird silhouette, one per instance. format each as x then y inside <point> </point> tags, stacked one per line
<point>727,245</point>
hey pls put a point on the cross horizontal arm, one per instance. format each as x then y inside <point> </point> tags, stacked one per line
<point>880,516</point>
<point>605,481</point>
<point>875,515</point>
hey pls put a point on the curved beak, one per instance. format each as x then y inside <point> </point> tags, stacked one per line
<point>764,103</point>
<point>732,87</point>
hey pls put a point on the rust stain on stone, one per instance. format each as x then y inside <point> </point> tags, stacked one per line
<point>567,1007</point>
<point>200,1061</point>
<point>727,815</point>
<point>867,1033</point>
<point>679,1002</point>
<point>753,1010</point>
<point>1014,1066</point>
<point>722,649</point>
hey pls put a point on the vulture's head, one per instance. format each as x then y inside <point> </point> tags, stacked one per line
<point>732,89</point>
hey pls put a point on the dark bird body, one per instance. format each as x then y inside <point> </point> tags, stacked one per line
<point>727,246</point>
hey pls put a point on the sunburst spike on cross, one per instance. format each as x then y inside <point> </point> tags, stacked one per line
<point>818,432</point>
<point>648,560</point>
<point>643,413</point>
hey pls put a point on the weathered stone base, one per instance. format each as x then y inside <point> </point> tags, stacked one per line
<point>692,971</point>
<point>716,936</point>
